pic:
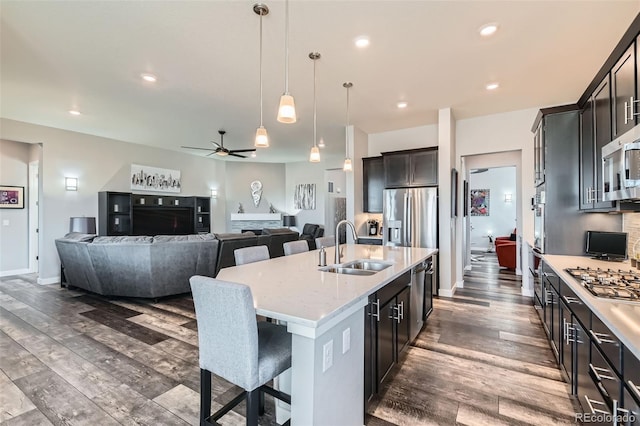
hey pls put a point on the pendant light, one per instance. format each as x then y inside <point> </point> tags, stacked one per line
<point>287,108</point>
<point>314,155</point>
<point>347,167</point>
<point>262,139</point>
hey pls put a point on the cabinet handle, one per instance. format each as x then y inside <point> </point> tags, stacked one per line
<point>377,314</point>
<point>570,300</point>
<point>601,338</point>
<point>634,389</point>
<point>590,403</point>
<point>630,108</point>
<point>401,314</point>
<point>569,332</point>
<point>395,313</point>
<point>597,373</point>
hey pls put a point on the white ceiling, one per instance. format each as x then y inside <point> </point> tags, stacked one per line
<point>59,55</point>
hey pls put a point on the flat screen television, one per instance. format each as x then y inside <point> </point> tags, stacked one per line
<point>607,245</point>
<point>162,221</point>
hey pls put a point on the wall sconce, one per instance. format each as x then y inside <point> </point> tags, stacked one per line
<point>71,184</point>
<point>508,197</point>
<point>214,193</point>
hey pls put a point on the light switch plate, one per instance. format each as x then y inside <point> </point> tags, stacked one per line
<point>346,340</point>
<point>5,222</point>
<point>327,355</point>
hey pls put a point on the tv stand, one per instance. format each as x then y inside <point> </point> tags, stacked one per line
<point>607,258</point>
<point>116,213</point>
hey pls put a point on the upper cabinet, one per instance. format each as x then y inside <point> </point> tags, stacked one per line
<point>411,168</point>
<point>595,133</point>
<point>623,85</point>
<point>372,184</point>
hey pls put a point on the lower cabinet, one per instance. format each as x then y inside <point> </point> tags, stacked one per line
<point>386,332</point>
<point>602,373</point>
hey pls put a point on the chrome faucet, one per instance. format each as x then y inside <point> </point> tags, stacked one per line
<point>355,237</point>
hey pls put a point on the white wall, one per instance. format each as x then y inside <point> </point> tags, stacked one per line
<point>508,134</point>
<point>398,140</point>
<point>358,149</point>
<point>14,223</point>
<point>502,215</point>
<point>100,164</point>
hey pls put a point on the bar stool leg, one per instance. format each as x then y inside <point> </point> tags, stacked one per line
<point>253,407</point>
<point>205,396</point>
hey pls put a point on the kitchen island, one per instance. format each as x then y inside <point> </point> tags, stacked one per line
<point>324,313</point>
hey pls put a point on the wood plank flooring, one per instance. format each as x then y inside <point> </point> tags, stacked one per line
<point>69,357</point>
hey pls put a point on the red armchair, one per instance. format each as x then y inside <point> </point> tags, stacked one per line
<point>506,252</point>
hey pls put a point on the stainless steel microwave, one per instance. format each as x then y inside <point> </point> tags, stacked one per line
<point>621,167</point>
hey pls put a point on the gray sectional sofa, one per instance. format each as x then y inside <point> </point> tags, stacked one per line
<point>152,267</point>
<point>136,266</point>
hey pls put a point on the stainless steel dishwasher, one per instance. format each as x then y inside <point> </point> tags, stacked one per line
<point>422,279</point>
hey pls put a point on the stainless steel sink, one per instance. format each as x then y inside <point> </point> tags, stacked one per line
<point>367,265</point>
<point>348,271</point>
<point>357,267</point>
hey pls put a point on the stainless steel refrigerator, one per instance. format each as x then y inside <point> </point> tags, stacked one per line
<point>410,219</point>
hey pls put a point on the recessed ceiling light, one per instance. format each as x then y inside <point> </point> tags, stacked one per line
<point>402,104</point>
<point>149,77</point>
<point>362,41</point>
<point>74,112</point>
<point>253,154</point>
<point>492,86</point>
<point>488,29</point>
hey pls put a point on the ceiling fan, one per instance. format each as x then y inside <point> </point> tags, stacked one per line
<point>221,150</point>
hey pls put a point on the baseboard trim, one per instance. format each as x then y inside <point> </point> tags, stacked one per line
<point>527,292</point>
<point>45,281</point>
<point>445,292</point>
<point>460,284</point>
<point>468,268</point>
<point>14,272</point>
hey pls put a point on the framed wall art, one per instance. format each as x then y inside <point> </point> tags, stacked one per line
<point>11,197</point>
<point>146,178</point>
<point>479,202</point>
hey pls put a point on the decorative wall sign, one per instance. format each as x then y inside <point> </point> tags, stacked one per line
<point>11,197</point>
<point>256,192</point>
<point>305,196</point>
<point>146,178</point>
<point>479,202</point>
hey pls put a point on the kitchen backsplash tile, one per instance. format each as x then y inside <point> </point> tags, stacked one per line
<point>631,225</point>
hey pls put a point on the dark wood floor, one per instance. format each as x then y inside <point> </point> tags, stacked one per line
<point>72,358</point>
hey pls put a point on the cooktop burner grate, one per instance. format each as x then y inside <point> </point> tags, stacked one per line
<point>610,283</point>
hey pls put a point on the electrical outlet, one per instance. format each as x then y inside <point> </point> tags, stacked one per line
<point>346,340</point>
<point>327,355</point>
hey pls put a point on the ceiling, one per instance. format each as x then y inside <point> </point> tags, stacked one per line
<point>88,55</point>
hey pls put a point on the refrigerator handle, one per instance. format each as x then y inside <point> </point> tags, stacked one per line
<point>405,219</point>
<point>409,218</point>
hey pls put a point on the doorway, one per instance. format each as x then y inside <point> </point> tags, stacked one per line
<point>501,201</point>
<point>34,216</point>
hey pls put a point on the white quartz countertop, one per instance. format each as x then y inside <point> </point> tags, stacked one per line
<point>293,289</point>
<point>622,317</point>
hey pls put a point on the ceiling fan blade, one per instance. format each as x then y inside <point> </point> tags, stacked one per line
<point>216,144</point>
<point>211,153</point>
<point>237,155</point>
<point>242,150</point>
<point>195,147</point>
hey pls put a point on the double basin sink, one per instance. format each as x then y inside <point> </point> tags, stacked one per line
<point>357,267</point>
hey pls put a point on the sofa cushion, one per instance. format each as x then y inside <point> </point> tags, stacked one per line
<point>79,236</point>
<point>141,239</point>
<point>192,237</point>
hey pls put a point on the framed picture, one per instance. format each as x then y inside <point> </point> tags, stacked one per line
<point>11,197</point>
<point>147,178</point>
<point>465,197</point>
<point>479,202</point>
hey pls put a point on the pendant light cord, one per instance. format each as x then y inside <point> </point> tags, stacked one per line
<point>260,69</point>
<point>286,48</point>
<point>314,101</point>
<point>346,128</point>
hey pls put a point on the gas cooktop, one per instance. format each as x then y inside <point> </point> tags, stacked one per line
<point>610,283</point>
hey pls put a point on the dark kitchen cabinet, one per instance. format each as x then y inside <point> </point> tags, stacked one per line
<point>202,214</point>
<point>372,184</point>
<point>595,132</point>
<point>623,86</point>
<point>386,332</point>
<point>566,341</point>
<point>538,155</point>
<point>410,168</point>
